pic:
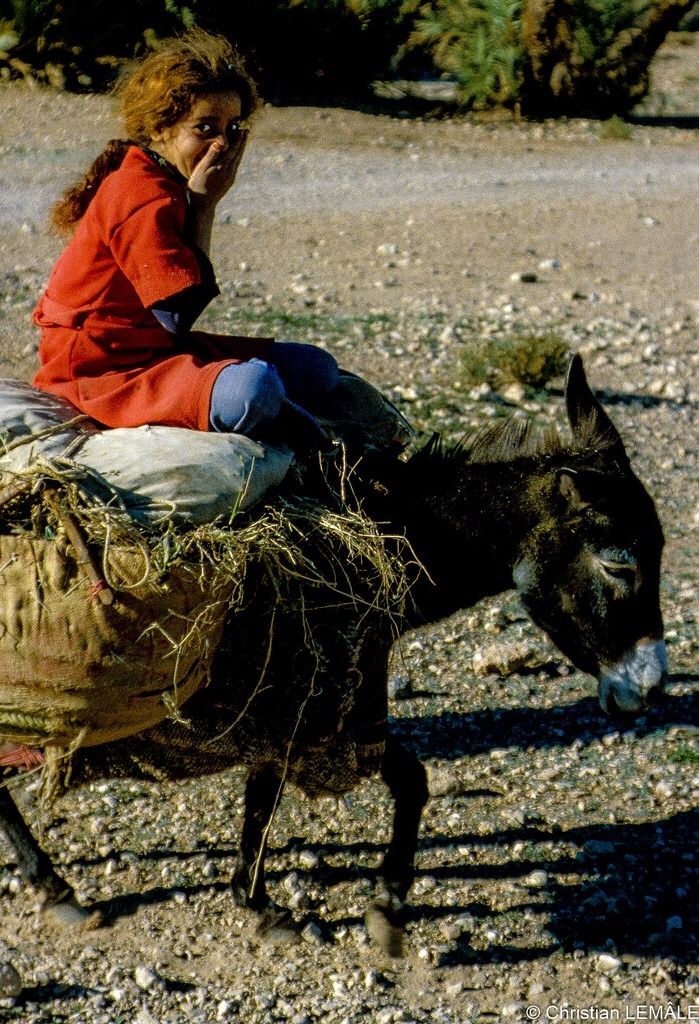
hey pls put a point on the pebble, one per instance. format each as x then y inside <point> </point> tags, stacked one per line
<point>509,657</point>
<point>443,781</point>
<point>146,978</point>
<point>309,860</point>
<point>538,879</point>
<point>292,882</point>
<point>10,981</point>
<point>388,1014</point>
<point>312,934</point>
<point>298,900</point>
<point>400,687</point>
<point>372,979</point>
<point>145,1017</point>
<point>514,393</point>
<point>450,930</point>
<point>608,964</point>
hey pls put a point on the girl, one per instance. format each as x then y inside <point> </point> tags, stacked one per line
<point>117,313</point>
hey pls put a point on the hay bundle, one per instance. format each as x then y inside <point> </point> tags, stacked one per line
<point>78,670</point>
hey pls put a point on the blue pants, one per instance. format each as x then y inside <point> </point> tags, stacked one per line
<point>248,398</point>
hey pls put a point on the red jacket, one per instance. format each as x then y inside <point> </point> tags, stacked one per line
<point>101,347</point>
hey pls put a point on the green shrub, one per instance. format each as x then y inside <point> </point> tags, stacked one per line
<point>531,359</point>
<point>616,129</point>
<point>476,41</point>
<point>685,754</point>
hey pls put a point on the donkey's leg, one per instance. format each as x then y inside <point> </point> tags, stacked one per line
<point>406,779</point>
<point>261,792</point>
<point>60,903</point>
<point>261,796</point>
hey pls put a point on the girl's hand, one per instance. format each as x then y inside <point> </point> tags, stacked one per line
<point>216,171</point>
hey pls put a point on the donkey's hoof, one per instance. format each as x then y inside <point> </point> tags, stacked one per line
<point>69,914</point>
<point>385,929</point>
<point>278,927</point>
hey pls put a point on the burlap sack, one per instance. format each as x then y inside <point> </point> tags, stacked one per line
<point>73,670</point>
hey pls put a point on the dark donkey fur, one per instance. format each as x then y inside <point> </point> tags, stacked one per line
<point>571,525</point>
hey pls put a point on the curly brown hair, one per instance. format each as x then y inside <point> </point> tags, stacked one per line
<point>155,93</point>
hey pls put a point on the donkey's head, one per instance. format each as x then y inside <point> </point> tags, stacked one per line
<point>589,571</point>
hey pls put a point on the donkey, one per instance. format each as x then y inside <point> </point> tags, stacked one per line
<point>569,525</point>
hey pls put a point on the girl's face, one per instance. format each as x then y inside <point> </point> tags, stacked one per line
<point>212,118</point>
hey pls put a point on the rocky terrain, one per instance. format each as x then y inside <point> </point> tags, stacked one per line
<point>557,871</point>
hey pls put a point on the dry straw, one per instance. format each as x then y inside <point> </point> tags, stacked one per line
<point>77,669</point>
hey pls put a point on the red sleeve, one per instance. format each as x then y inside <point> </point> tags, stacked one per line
<point>151,251</point>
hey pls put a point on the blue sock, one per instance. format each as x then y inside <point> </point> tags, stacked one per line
<point>245,395</point>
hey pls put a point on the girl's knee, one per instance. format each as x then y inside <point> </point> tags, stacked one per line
<point>246,395</point>
<point>306,370</point>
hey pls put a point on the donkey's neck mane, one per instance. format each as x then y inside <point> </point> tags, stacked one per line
<point>510,439</point>
<point>515,438</point>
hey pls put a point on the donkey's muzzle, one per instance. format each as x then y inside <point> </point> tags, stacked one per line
<point>636,682</point>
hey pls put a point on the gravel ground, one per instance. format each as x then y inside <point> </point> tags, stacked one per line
<point>558,863</point>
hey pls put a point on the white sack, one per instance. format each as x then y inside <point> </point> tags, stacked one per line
<point>193,475</point>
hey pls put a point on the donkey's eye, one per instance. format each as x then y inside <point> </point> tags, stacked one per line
<point>622,574</point>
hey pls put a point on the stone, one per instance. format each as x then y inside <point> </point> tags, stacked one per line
<point>400,687</point>
<point>443,782</point>
<point>312,934</point>
<point>298,900</point>
<point>506,658</point>
<point>146,978</point>
<point>10,981</point>
<point>308,859</point>
<point>608,964</point>
<point>537,879</point>
<point>514,392</point>
<point>144,1016</point>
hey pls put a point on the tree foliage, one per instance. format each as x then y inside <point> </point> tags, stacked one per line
<point>476,41</point>
<point>545,57</point>
<point>592,57</point>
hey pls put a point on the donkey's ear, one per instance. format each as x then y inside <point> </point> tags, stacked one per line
<point>588,420</point>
